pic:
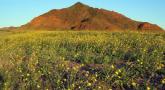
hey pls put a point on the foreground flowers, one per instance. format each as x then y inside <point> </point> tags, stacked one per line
<point>82,61</point>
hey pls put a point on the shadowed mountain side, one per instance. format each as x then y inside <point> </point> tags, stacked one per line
<point>83,17</point>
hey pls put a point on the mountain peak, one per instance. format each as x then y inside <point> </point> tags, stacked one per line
<point>79,4</point>
<point>83,17</point>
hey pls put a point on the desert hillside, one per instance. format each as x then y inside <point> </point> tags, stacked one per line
<point>83,17</point>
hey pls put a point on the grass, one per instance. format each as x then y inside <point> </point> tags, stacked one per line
<point>68,60</point>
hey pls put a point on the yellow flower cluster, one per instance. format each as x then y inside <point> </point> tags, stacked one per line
<point>160,66</point>
<point>140,61</point>
<point>118,72</point>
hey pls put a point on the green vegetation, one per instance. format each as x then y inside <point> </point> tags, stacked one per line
<point>68,60</point>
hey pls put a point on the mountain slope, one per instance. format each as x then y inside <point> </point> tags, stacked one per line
<point>83,17</point>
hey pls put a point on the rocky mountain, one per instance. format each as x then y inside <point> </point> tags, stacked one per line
<point>83,17</point>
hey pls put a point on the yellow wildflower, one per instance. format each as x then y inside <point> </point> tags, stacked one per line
<point>117,72</point>
<point>67,68</point>
<point>62,65</point>
<point>119,77</point>
<point>160,66</point>
<point>163,81</point>
<point>38,86</point>
<point>82,64</point>
<point>28,74</point>
<point>89,84</point>
<point>133,83</point>
<point>73,85</point>
<point>138,60</point>
<point>74,68</point>
<point>112,66</point>
<point>148,88</point>
<point>96,75</point>
<point>95,80</point>
<point>99,87</point>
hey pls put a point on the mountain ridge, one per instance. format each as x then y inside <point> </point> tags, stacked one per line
<point>83,17</point>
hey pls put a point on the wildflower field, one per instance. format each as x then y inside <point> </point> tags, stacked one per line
<point>81,60</point>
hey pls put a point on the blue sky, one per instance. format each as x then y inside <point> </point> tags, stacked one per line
<point>19,12</point>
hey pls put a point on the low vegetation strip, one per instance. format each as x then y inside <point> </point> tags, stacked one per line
<point>82,60</point>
